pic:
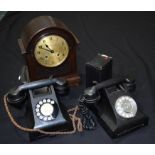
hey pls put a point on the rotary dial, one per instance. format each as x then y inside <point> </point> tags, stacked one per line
<point>126,107</point>
<point>46,110</point>
<point>51,51</point>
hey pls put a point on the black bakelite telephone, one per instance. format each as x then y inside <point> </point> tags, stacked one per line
<point>113,104</point>
<point>46,114</point>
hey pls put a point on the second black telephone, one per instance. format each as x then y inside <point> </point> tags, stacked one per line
<point>113,104</point>
<point>44,109</point>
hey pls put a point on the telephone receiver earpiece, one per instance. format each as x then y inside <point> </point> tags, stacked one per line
<point>130,84</point>
<point>17,96</point>
<point>61,87</point>
<point>91,95</point>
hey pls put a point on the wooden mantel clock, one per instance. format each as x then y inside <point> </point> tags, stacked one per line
<point>49,48</point>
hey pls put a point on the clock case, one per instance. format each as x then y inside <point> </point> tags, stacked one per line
<point>38,28</point>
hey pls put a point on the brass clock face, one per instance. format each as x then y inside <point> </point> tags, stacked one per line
<point>51,51</point>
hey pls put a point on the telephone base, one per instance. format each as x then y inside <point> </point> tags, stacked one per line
<point>63,128</point>
<point>116,130</point>
<point>62,123</point>
<point>117,111</point>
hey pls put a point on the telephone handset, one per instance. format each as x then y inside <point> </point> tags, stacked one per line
<point>44,110</point>
<point>17,95</point>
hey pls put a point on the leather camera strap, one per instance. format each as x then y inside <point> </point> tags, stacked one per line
<point>76,122</point>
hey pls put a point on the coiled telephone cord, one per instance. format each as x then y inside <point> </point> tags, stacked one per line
<point>76,122</point>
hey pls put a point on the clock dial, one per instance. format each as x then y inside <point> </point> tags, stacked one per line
<point>51,51</point>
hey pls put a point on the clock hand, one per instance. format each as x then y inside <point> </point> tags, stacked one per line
<point>49,48</point>
<point>51,51</point>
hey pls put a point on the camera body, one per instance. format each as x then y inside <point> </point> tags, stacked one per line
<point>98,69</point>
